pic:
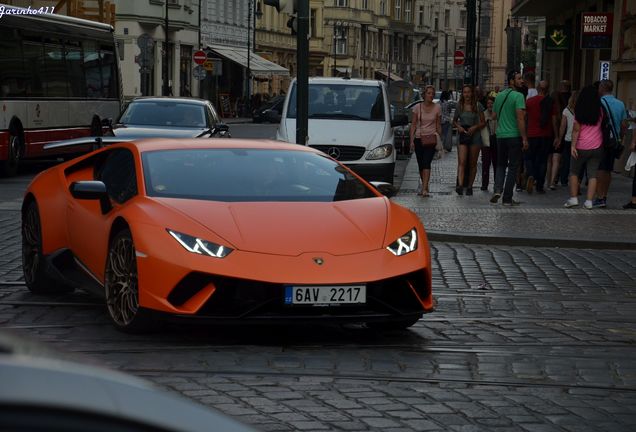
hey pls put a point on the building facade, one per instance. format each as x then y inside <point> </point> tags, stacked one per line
<point>140,30</point>
<point>582,53</point>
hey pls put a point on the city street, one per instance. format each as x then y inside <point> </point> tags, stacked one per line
<point>524,338</point>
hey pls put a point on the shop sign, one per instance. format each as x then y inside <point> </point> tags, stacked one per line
<point>557,38</point>
<point>596,30</point>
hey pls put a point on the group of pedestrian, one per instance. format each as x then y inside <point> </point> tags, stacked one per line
<point>533,139</point>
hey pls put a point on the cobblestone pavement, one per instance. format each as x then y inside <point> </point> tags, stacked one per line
<point>522,339</point>
<point>538,217</point>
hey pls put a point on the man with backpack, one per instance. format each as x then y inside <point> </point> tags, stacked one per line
<point>617,114</point>
<point>542,130</point>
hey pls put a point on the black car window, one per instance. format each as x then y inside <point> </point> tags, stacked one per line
<point>164,113</point>
<point>247,175</point>
<point>118,174</point>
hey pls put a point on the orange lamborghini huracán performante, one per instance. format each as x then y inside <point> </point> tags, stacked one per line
<point>225,230</point>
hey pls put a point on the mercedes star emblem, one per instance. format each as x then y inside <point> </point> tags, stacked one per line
<point>334,152</point>
<point>319,261</point>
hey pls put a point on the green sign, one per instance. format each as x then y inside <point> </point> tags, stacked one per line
<point>557,38</point>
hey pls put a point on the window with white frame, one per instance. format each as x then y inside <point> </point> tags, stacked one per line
<point>447,18</point>
<point>420,17</point>
<point>407,11</point>
<point>462,19</point>
<point>341,40</point>
<point>365,4</point>
<point>398,9</point>
<point>342,3</point>
<point>382,7</point>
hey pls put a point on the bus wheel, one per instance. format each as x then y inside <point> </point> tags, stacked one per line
<point>9,167</point>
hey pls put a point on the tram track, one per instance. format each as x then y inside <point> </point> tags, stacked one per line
<point>149,372</point>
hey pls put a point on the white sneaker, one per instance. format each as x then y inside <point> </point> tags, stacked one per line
<point>572,202</point>
<point>588,204</point>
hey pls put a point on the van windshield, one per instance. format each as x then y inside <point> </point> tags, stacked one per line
<point>337,101</point>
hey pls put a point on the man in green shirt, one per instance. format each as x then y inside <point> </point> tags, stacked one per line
<point>510,106</point>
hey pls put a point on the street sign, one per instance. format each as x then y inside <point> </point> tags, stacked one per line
<point>208,65</point>
<point>459,58</point>
<point>605,70</point>
<point>199,73</point>
<point>199,57</point>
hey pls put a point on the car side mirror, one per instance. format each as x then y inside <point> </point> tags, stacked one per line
<point>400,120</point>
<point>386,189</point>
<point>92,190</point>
<point>220,129</point>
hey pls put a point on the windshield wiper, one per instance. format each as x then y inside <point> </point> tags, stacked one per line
<point>338,115</point>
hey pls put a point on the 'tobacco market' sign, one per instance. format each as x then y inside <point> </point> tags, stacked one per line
<point>596,30</point>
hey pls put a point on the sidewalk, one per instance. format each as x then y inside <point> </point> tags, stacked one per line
<point>540,220</point>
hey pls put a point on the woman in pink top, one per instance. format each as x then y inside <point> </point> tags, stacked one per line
<point>587,144</point>
<point>426,126</point>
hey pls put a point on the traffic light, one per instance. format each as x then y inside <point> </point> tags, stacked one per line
<point>284,6</point>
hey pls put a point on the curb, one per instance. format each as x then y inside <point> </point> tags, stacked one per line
<point>471,238</point>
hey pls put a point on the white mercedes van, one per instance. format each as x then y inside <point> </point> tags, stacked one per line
<point>350,120</point>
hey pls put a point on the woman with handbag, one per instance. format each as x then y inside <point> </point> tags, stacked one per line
<point>469,120</point>
<point>426,126</point>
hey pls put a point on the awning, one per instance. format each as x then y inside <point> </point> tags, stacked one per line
<point>545,8</point>
<point>258,65</point>
<point>384,73</point>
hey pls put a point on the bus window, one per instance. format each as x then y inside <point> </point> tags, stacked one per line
<point>109,74</point>
<point>56,80</point>
<point>34,67</point>
<point>11,66</point>
<point>92,70</point>
<point>77,81</point>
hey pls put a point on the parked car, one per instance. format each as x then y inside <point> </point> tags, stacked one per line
<point>169,117</point>
<point>270,111</point>
<point>43,392</point>
<point>225,230</point>
<point>351,121</point>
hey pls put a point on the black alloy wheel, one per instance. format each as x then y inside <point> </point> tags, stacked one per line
<point>33,260</point>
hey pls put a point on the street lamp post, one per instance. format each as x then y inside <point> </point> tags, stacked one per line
<point>248,96</point>
<point>166,58</point>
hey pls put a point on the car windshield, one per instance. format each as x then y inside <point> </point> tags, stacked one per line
<point>246,175</point>
<point>338,101</point>
<point>164,113</point>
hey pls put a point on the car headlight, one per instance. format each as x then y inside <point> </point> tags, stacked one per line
<point>404,244</point>
<point>384,151</point>
<point>200,246</point>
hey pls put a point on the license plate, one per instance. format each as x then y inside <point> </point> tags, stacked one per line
<point>325,295</point>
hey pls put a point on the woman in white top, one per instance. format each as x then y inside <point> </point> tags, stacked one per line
<point>565,145</point>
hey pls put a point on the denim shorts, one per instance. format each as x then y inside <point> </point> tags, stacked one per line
<point>589,158</point>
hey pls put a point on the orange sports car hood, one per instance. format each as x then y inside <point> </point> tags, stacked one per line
<point>292,228</point>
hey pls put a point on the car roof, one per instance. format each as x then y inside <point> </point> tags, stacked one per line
<point>170,99</point>
<point>154,144</point>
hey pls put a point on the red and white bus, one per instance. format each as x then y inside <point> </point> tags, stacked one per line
<point>59,79</point>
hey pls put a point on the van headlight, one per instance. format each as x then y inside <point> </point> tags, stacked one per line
<point>406,243</point>
<point>382,152</point>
